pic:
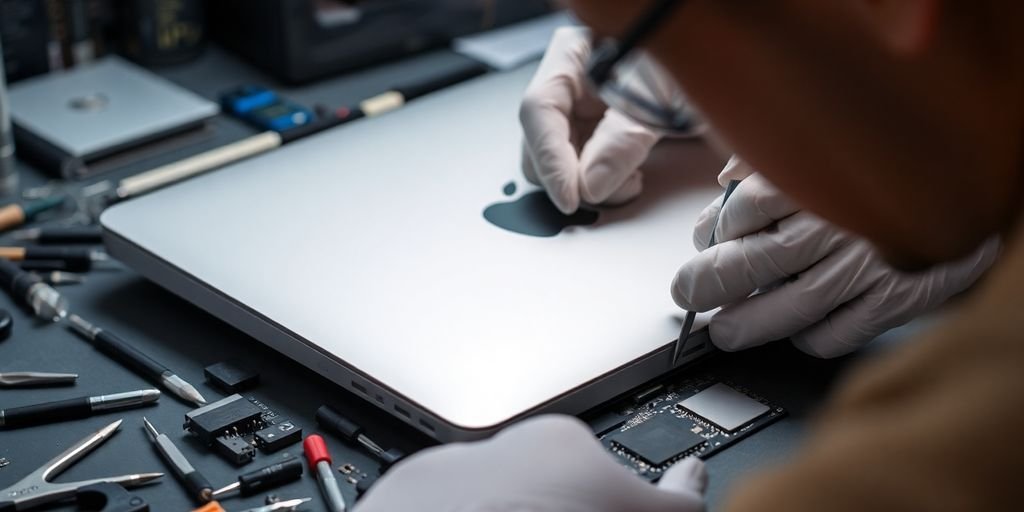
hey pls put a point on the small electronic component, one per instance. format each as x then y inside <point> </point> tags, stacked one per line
<point>662,440</point>
<point>232,416</point>
<point>725,407</point>
<point>235,426</point>
<point>353,475</point>
<point>231,377</point>
<point>235,450</point>
<point>278,436</point>
<point>652,430</point>
<point>264,109</point>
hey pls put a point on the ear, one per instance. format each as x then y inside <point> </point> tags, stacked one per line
<point>905,27</point>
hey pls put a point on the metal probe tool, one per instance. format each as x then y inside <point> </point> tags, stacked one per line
<point>281,506</point>
<point>275,475</point>
<point>45,302</point>
<point>198,486</point>
<point>692,315</point>
<point>133,358</point>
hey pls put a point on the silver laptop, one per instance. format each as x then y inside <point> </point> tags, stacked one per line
<point>405,259</point>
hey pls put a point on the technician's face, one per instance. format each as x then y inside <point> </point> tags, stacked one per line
<point>816,106</point>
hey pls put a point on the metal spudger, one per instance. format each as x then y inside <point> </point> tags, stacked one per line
<point>283,506</point>
<point>36,489</point>
<point>14,379</point>
<point>692,315</point>
<point>198,486</point>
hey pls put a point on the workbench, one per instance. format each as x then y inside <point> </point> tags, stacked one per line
<point>187,339</point>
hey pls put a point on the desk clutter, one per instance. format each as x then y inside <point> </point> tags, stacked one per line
<point>242,431</point>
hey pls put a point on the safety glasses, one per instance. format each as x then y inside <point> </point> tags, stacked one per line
<point>631,82</point>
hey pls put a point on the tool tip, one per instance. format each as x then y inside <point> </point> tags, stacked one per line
<point>109,429</point>
<point>150,429</point>
<point>145,478</point>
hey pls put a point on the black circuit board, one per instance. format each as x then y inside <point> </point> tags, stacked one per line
<point>650,432</point>
<point>236,429</point>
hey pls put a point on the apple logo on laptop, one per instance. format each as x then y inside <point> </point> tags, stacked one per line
<point>533,214</point>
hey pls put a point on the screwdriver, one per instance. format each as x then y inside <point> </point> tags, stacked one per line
<point>194,481</point>
<point>46,303</point>
<point>287,470</point>
<point>335,423</point>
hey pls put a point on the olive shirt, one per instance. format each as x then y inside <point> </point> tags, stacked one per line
<point>938,424</point>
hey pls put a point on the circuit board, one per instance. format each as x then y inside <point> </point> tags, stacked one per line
<point>664,424</point>
<point>234,427</point>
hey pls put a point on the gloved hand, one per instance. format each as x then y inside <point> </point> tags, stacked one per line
<point>574,145</point>
<point>779,271</point>
<point>549,463</point>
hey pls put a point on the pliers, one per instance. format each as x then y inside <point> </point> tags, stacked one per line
<point>15,379</point>
<point>36,489</point>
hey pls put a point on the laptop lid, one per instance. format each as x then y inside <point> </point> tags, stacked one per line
<point>365,254</point>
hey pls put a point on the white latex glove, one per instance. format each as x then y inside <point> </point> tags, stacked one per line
<point>549,463</point>
<point>574,146</point>
<point>780,272</point>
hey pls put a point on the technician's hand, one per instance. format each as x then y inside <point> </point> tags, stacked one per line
<point>550,463</point>
<point>574,146</point>
<point>782,272</point>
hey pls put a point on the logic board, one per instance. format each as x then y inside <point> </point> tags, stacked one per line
<point>667,423</point>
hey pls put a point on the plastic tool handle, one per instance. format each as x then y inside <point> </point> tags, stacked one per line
<point>198,486</point>
<point>283,472</point>
<point>52,412</point>
<point>338,424</point>
<point>74,235</point>
<point>15,279</point>
<point>316,451</point>
<point>120,350</point>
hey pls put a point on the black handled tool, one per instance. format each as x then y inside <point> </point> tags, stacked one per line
<point>110,344</point>
<point>66,258</point>
<point>335,423</point>
<point>274,475</point>
<point>30,289</point>
<point>74,408</point>
<point>83,235</point>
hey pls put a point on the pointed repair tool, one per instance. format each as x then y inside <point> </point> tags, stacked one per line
<point>118,349</point>
<point>692,315</point>
<point>198,486</point>
<point>36,489</point>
